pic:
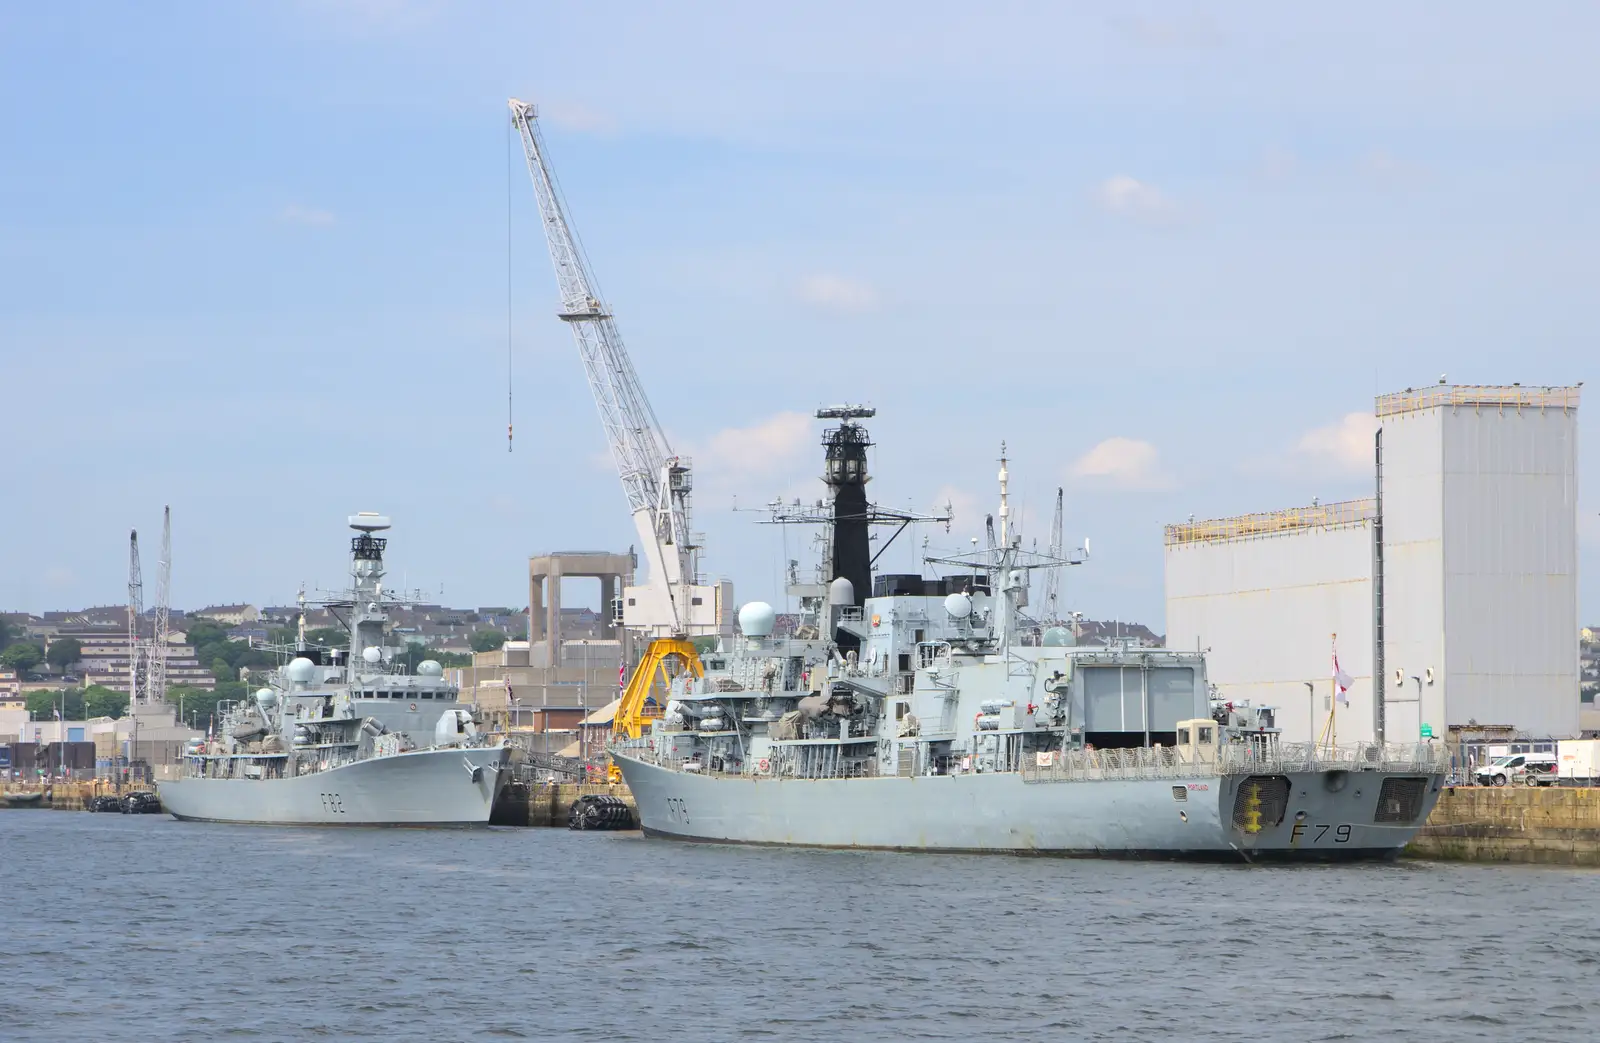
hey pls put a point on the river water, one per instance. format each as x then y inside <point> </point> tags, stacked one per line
<point>144,928</point>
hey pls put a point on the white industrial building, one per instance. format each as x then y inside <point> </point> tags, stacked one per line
<point>1465,562</point>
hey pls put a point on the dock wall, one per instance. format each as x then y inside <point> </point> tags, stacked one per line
<point>1557,825</point>
<point>548,805</point>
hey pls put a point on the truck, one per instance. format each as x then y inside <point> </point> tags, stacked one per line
<point>1578,762</point>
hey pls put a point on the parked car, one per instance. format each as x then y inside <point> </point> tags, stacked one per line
<point>1535,769</point>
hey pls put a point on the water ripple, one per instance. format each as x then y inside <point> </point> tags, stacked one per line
<point>145,928</point>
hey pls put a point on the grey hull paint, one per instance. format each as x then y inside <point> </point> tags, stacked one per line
<point>1003,813</point>
<point>432,787</point>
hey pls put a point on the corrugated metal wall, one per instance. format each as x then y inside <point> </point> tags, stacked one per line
<point>1266,608</point>
<point>1510,566</point>
<point>1413,575</point>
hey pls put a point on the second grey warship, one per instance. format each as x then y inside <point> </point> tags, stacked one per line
<point>930,716</point>
<point>338,739</point>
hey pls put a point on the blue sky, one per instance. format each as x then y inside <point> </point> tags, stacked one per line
<point>253,263</point>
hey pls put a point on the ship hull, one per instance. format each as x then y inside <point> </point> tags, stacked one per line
<point>1327,816</point>
<point>421,788</point>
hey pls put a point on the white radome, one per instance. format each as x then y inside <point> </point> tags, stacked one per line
<point>958,606</point>
<point>756,619</point>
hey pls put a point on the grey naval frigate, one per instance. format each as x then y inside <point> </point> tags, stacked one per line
<point>351,739</point>
<point>933,715</point>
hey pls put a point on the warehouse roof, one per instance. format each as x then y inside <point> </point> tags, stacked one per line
<point>1342,515</point>
<point>1498,395</point>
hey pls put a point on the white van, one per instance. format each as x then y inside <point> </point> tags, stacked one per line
<point>1535,769</point>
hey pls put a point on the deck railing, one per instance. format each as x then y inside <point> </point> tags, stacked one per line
<point>1159,762</point>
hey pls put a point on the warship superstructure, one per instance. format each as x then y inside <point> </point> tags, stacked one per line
<point>929,714</point>
<point>338,738</point>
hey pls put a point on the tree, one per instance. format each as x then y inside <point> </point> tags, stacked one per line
<point>487,640</point>
<point>100,701</point>
<point>22,657</point>
<point>332,637</point>
<point>43,706</point>
<point>223,670</point>
<point>7,633</point>
<point>64,653</point>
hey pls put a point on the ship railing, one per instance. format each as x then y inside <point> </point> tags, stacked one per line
<point>1167,762</point>
<point>800,762</point>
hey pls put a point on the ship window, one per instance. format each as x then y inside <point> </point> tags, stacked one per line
<point>696,601</point>
<point>1183,736</point>
<point>905,660</point>
<point>1205,737</point>
<point>900,711</point>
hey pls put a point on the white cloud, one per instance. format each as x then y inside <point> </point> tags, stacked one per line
<point>835,293</point>
<point>1385,168</point>
<point>1345,445</point>
<point>1129,197</point>
<point>295,214</point>
<point>773,448</point>
<point>1127,463</point>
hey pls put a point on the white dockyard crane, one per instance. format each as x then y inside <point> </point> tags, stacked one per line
<point>671,606</point>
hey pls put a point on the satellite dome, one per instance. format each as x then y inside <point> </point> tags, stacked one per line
<point>372,654</point>
<point>756,619</point>
<point>266,699</point>
<point>301,669</point>
<point>841,592</point>
<point>958,606</point>
<point>1058,637</point>
<point>429,668</point>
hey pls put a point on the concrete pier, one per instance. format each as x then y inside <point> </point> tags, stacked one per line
<point>1555,825</point>
<point>548,805</point>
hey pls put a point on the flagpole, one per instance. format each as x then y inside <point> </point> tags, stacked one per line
<point>1333,707</point>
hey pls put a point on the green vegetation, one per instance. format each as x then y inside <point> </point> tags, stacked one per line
<point>332,637</point>
<point>22,657</point>
<point>81,703</point>
<point>415,653</point>
<point>64,653</point>
<point>487,640</point>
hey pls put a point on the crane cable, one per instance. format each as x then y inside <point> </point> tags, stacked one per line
<point>508,290</point>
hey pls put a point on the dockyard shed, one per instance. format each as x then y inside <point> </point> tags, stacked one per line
<point>1471,536</point>
<point>1265,593</point>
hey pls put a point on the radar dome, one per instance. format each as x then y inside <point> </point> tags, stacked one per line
<point>429,668</point>
<point>266,699</point>
<point>841,592</point>
<point>372,654</point>
<point>958,606</point>
<point>1059,637</point>
<point>300,669</point>
<point>756,619</point>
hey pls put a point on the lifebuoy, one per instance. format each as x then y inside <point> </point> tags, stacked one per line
<point>763,765</point>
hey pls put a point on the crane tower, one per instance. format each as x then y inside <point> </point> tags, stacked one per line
<point>156,683</point>
<point>135,610</point>
<point>672,603</point>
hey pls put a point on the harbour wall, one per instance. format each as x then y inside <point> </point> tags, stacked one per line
<point>548,805</point>
<point>1556,825</point>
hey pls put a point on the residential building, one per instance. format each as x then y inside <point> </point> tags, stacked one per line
<point>231,615</point>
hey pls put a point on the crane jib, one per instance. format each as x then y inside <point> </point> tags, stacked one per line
<point>656,482</point>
